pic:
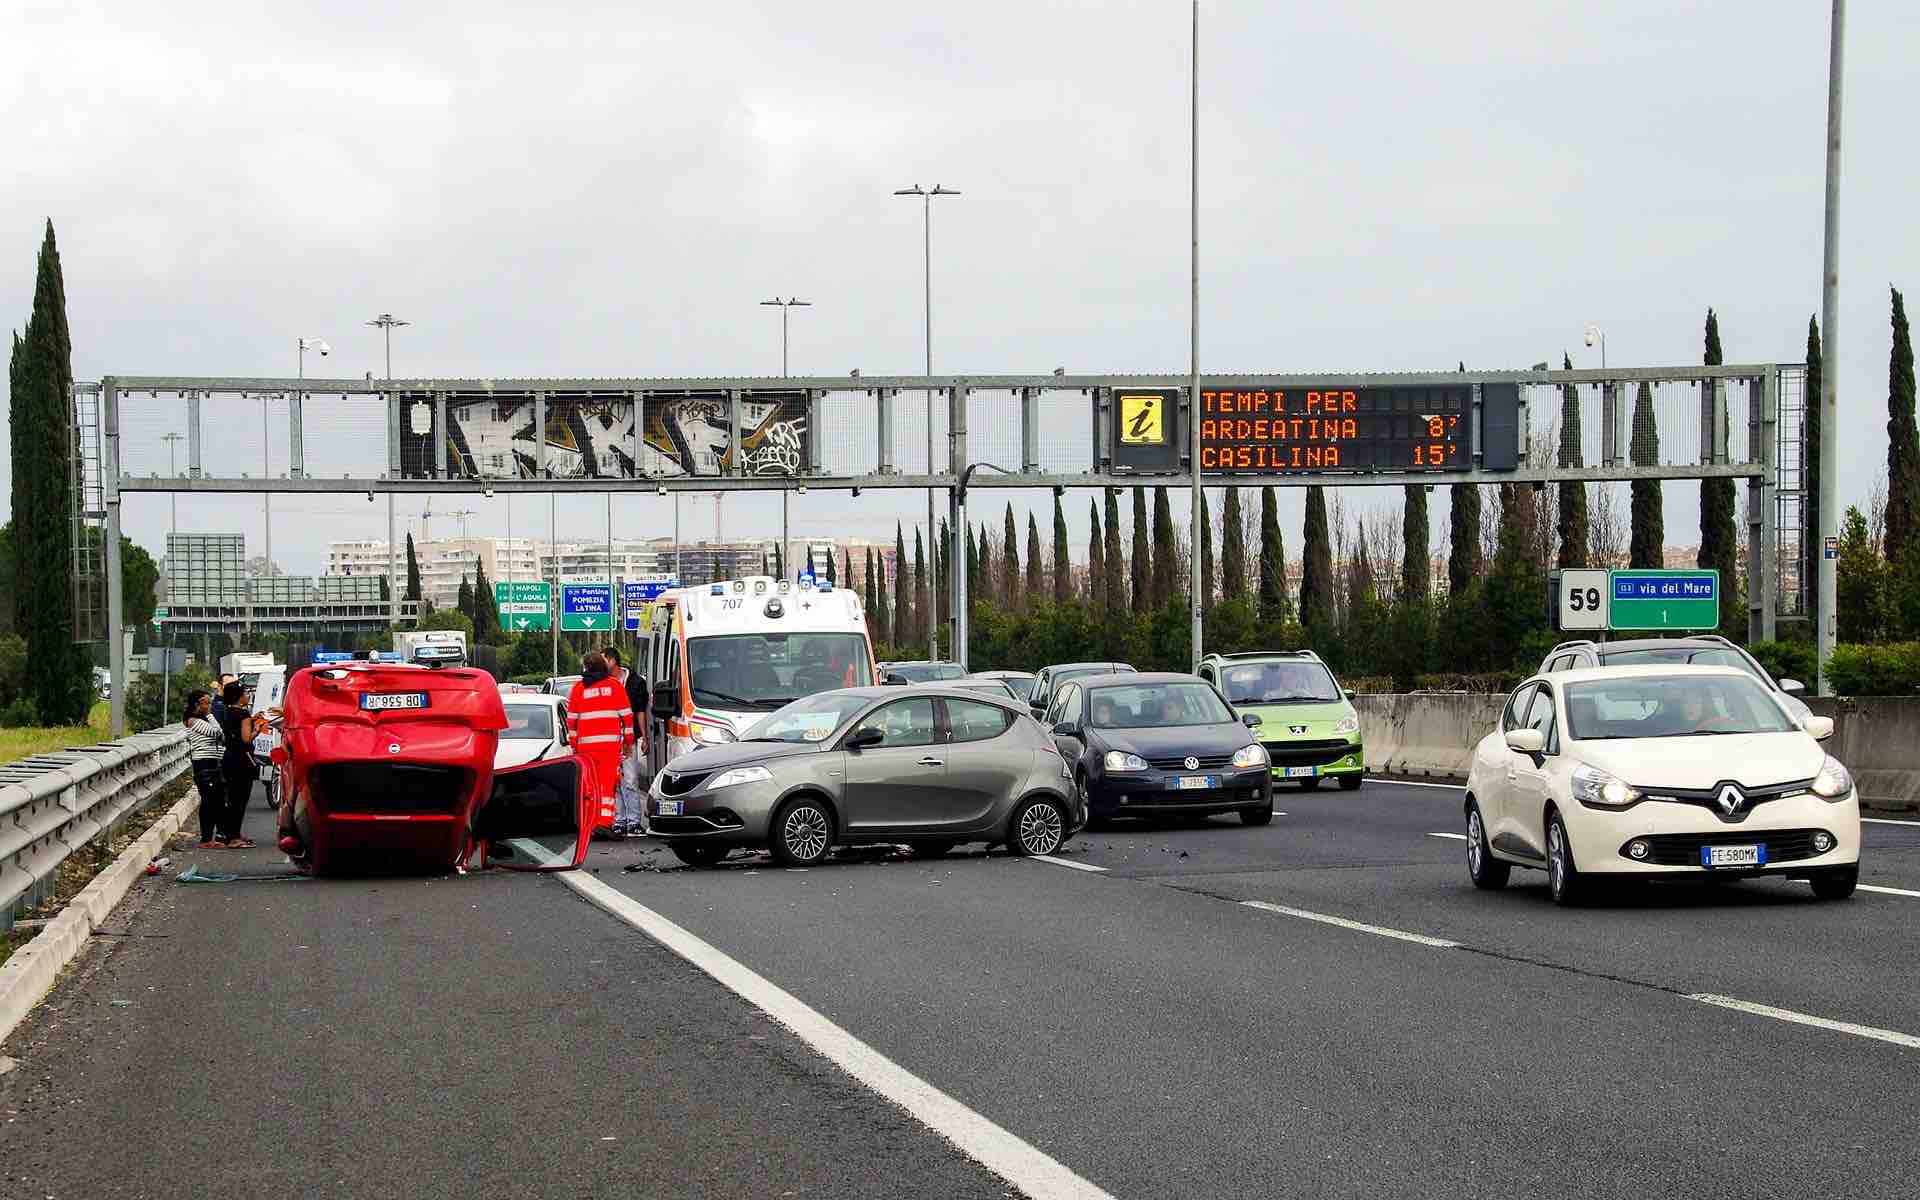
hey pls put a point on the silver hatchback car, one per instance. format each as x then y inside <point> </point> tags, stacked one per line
<point>931,767</point>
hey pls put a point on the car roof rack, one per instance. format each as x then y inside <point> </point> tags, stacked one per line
<point>1265,654</point>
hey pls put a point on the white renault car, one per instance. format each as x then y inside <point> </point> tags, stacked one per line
<point>1658,771</point>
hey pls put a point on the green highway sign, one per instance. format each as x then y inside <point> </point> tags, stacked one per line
<point>586,607</point>
<point>1663,600</point>
<point>524,607</point>
<point>159,615</point>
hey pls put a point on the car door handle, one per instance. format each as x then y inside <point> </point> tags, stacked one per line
<point>931,761</point>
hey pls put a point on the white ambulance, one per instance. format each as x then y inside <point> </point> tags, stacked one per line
<point>720,656</point>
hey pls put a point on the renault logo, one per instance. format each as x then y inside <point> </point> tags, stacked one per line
<point>1193,764</point>
<point>1730,799</point>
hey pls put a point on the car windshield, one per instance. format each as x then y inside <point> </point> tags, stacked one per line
<point>1155,705</point>
<point>811,720</point>
<point>927,672</point>
<point>768,670</point>
<point>1299,682</point>
<point>530,721</point>
<point>1697,656</point>
<point>1663,706</point>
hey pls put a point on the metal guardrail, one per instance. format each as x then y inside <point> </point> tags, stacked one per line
<point>53,804</point>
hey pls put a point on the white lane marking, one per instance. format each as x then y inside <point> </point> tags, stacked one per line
<point>1887,821</point>
<point>1359,926</point>
<point>1887,891</point>
<point>1800,1018</point>
<point>1006,1155</point>
<point>1454,787</point>
<point>1458,837</point>
<point>1061,862</point>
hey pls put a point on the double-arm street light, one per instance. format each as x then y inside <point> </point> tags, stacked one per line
<point>933,551</point>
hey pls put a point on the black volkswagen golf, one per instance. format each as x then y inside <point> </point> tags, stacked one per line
<point>1158,744</point>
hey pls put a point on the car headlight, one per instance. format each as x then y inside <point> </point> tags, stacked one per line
<point>708,734</point>
<point>1834,782</point>
<point>1594,786</point>
<point>1347,724</point>
<point>739,775</point>
<point>1250,756</point>
<point>1120,760</point>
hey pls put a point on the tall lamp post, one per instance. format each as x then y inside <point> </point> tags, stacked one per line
<point>1597,336</point>
<point>785,306</point>
<point>173,527</point>
<point>318,345</point>
<point>385,323</point>
<point>1194,588</point>
<point>933,556</point>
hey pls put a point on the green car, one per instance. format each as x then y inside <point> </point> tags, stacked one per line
<point>1307,723</point>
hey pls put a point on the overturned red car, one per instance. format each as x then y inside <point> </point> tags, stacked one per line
<point>390,766</point>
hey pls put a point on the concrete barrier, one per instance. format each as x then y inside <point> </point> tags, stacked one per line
<point>1878,737</point>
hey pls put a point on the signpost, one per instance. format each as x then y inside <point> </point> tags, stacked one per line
<point>1662,600</point>
<point>524,607</point>
<point>637,597</point>
<point>159,615</point>
<point>586,607</point>
<point>1583,598</point>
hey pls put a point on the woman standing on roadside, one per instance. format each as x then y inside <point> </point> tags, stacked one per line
<point>236,762</point>
<point>206,746</point>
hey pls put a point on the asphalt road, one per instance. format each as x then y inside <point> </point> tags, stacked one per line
<point>1142,1023</point>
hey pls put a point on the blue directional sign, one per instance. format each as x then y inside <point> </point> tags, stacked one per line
<point>586,607</point>
<point>638,595</point>
<point>1647,599</point>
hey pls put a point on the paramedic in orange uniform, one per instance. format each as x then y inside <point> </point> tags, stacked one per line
<point>601,727</point>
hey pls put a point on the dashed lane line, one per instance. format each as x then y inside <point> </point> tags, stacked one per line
<point>1007,1155</point>
<point>1887,821</point>
<point>1419,939</point>
<point>1452,787</point>
<point>1799,1018</point>
<point>1887,891</point>
<point>1458,837</point>
<point>1068,863</point>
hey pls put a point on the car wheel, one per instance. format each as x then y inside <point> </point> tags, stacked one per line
<point>1836,883</point>
<point>1563,877</point>
<point>1259,814</point>
<point>1094,820</point>
<point>698,854</point>
<point>1310,785</point>
<point>802,832</point>
<point>1038,827</point>
<point>930,849</point>
<point>1485,870</point>
<point>1350,783</point>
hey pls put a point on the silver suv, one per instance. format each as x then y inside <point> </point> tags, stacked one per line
<point>1704,650</point>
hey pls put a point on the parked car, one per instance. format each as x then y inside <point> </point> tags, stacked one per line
<point>932,767</point>
<point>1158,744</point>
<point>999,689</point>
<point>1703,650</point>
<point>1307,722</point>
<point>559,685</point>
<point>920,671</point>
<point>536,729</point>
<point>1050,678</point>
<point>1646,772</point>
<point>1020,683</point>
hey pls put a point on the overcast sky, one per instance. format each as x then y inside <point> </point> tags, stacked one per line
<point>609,190</point>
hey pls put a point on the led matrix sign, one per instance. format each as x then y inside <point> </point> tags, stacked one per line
<point>1336,429</point>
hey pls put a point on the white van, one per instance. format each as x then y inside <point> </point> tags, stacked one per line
<point>269,686</point>
<point>723,655</point>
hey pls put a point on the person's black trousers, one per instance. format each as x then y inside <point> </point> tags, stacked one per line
<point>239,791</point>
<point>211,782</point>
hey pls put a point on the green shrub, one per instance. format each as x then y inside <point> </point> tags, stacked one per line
<point>1786,660</point>
<point>1488,682</point>
<point>1887,669</point>
<point>1368,684</point>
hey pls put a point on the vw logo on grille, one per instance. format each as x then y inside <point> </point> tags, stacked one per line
<point>1730,799</point>
<point>1296,729</point>
<point>1193,764</point>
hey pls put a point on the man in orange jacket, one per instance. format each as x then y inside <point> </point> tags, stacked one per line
<point>600,725</point>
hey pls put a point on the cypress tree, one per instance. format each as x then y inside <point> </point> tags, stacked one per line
<point>943,553</point>
<point>1571,525</point>
<point>920,612</point>
<point>1010,563</point>
<point>1649,520</point>
<point>1165,566</point>
<point>1233,549</point>
<point>1096,562</point>
<point>463,601</point>
<point>1862,580</point>
<point>1810,473</point>
<point>872,601</point>
<point>1141,573</point>
<point>413,571</point>
<point>1903,445</point>
<point>902,629</point>
<point>1036,583</point>
<point>1717,535</point>
<point>1206,552</point>
<point>1416,564</point>
<point>1116,585</point>
<point>1274,605</point>
<point>973,565</point>
<point>1463,537</point>
<point>1062,559</point>
<point>882,606</point>
<point>486,613</point>
<point>1316,565</point>
<point>40,375</point>
<point>1516,588</point>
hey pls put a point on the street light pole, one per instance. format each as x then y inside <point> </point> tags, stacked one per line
<point>385,323</point>
<point>1194,580</point>
<point>1830,371</point>
<point>173,527</point>
<point>933,555</point>
<point>785,306</point>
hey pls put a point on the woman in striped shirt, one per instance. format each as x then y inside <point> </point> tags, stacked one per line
<point>206,745</point>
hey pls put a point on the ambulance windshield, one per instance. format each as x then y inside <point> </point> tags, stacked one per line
<point>767,670</point>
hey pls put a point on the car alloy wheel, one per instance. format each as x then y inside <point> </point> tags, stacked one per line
<point>1038,828</point>
<point>1563,878</point>
<point>1482,867</point>
<point>802,833</point>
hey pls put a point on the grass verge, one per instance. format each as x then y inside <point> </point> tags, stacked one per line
<point>19,743</point>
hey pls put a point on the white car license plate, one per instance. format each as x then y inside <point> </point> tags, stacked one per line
<point>1193,782</point>
<point>667,808</point>
<point>387,701</point>
<point>1299,772</point>
<point>1733,856</point>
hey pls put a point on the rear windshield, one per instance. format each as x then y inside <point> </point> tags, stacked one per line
<point>531,721</point>
<point>927,672</point>
<point>1302,682</point>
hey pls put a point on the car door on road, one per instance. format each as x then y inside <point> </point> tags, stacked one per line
<point>901,780</point>
<point>984,763</point>
<point>1528,778</point>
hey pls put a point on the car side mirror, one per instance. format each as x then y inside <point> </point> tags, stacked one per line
<point>1792,685</point>
<point>1820,728</point>
<point>1347,692</point>
<point>894,679</point>
<point>1067,729</point>
<point>863,739</point>
<point>1251,720</point>
<point>1037,707</point>
<point>664,701</point>
<point>1526,741</point>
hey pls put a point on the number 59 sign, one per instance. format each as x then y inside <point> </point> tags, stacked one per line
<point>1582,595</point>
